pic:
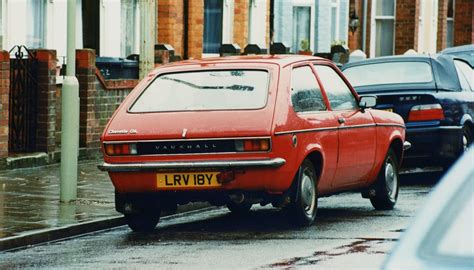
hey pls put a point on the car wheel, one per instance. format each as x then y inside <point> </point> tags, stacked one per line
<point>387,184</point>
<point>466,138</point>
<point>142,222</point>
<point>303,207</point>
<point>239,208</point>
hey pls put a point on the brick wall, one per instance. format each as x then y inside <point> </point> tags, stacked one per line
<point>4,102</point>
<point>368,28</point>
<point>46,112</point>
<point>355,39</point>
<point>463,22</point>
<point>195,28</point>
<point>170,24</point>
<point>97,102</point>
<point>241,22</point>
<point>442,24</point>
<point>406,25</point>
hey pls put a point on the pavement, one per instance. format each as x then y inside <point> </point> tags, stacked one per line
<point>31,212</point>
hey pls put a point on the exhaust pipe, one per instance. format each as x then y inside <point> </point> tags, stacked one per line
<point>237,198</point>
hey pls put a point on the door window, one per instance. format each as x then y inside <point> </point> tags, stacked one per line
<point>305,91</point>
<point>339,95</point>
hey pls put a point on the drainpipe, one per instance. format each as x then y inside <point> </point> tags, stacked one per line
<point>185,28</point>
<point>70,114</point>
<point>364,27</point>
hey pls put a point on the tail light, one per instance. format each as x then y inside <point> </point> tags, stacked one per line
<point>120,149</point>
<point>426,112</point>
<point>252,145</point>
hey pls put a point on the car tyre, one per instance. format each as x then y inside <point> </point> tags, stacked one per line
<point>142,222</point>
<point>239,208</point>
<point>466,138</point>
<point>303,207</point>
<point>387,184</point>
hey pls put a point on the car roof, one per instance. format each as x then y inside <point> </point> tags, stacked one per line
<point>279,59</point>
<point>444,71</point>
<point>459,49</point>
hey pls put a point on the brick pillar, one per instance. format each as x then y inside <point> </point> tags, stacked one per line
<point>355,39</point>
<point>406,25</point>
<point>46,117</point>
<point>170,24</point>
<point>463,22</point>
<point>4,101</point>
<point>442,24</point>
<point>89,130</point>
<point>195,28</point>
<point>241,22</point>
<point>367,21</point>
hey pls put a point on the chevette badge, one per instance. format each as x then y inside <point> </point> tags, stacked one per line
<point>184,133</point>
<point>123,131</point>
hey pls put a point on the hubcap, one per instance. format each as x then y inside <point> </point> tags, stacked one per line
<point>308,193</point>
<point>465,143</point>
<point>390,179</point>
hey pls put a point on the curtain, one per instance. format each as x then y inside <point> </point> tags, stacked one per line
<point>212,26</point>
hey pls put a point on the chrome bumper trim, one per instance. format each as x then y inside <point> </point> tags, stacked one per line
<point>191,165</point>
<point>406,145</point>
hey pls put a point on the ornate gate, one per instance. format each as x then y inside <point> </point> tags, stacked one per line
<point>23,100</point>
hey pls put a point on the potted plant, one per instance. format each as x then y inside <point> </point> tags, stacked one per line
<point>304,47</point>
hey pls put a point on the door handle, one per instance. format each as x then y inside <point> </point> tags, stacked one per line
<point>341,120</point>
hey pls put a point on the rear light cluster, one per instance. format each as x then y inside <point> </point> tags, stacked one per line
<point>120,149</point>
<point>252,145</point>
<point>426,112</point>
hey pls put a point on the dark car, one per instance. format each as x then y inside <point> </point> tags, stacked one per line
<point>464,51</point>
<point>433,93</point>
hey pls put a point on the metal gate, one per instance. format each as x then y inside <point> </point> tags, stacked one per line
<point>23,100</point>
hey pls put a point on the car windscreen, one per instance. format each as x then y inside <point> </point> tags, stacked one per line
<point>389,73</point>
<point>235,89</point>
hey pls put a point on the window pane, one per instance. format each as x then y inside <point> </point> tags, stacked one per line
<point>339,95</point>
<point>129,11</point>
<point>385,8</point>
<point>388,73</point>
<point>384,37</point>
<point>450,8</point>
<point>205,90</point>
<point>36,22</point>
<point>450,33</point>
<point>212,26</point>
<point>305,92</point>
<point>333,23</point>
<point>301,27</point>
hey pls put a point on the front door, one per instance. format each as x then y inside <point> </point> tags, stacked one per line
<point>357,130</point>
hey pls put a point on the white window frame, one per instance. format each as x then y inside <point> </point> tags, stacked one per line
<point>227,25</point>
<point>3,24</point>
<point>373,19</point>
<point>335,4</point>
<point>450,19</point>
<point>312,21</point>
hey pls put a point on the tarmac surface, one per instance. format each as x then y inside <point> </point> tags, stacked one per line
<point>30,205</point>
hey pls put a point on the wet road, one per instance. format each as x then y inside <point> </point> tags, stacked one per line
<point>348,234</point>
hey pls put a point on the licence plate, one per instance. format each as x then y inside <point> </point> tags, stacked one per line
<point>187,180</point>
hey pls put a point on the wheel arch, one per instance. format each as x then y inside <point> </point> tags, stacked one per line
<point>397,146</point>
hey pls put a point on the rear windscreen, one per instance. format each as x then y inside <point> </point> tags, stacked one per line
<point>205,90</point>
<point>389,73</point>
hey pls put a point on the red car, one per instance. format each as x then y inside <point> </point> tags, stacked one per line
<point>235,131</point>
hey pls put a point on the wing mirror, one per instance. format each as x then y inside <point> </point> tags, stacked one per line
<point>367,102</point>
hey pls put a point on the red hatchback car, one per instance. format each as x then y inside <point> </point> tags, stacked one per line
<point>235,131</point>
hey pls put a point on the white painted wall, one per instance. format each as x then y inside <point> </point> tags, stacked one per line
<point>428,27</point>
<point>110,28</point>
<point>258,22</point>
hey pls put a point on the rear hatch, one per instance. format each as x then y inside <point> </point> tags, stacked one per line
<point>203,111</point>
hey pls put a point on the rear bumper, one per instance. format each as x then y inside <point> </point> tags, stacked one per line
<point>438,145</point>
<point>190,165</point>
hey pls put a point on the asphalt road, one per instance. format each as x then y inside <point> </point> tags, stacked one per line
<point>348,234</point>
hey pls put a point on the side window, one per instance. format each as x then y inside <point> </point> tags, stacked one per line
<point>465,75</point>
<point>305,92</point>
<point>339,95</point>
